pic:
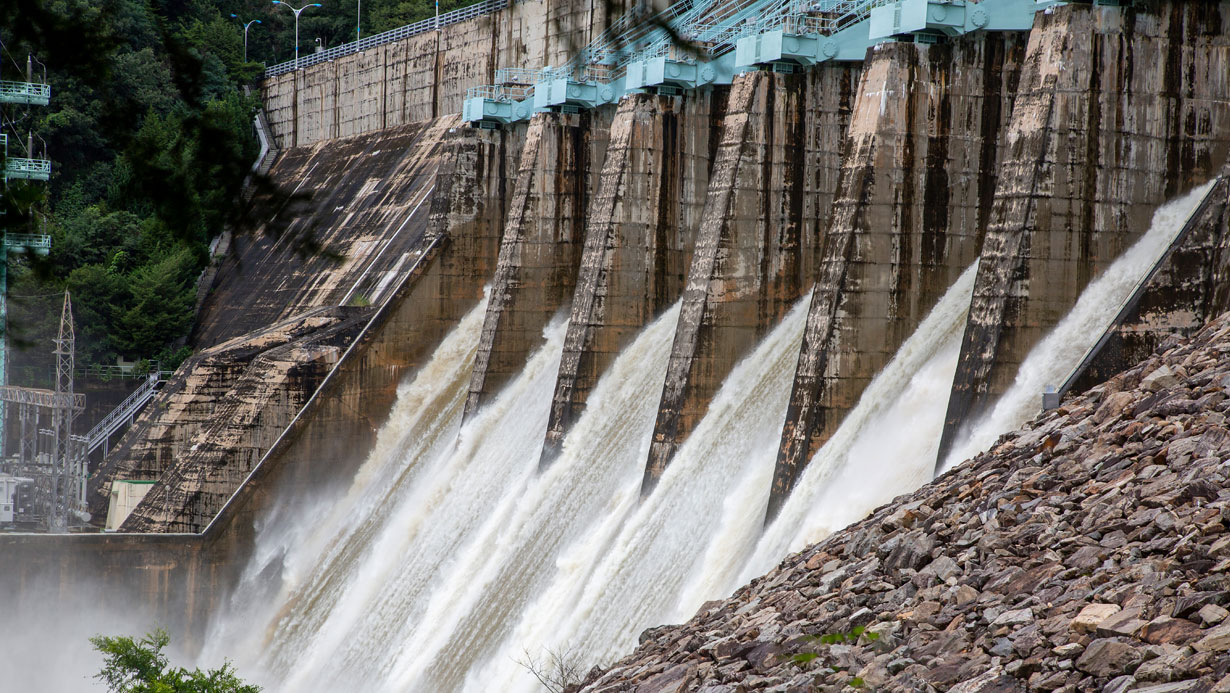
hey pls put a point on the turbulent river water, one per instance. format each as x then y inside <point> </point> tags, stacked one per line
<point>452,564</point>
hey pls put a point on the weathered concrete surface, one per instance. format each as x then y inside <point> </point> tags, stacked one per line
<point>426,76</point>
<point>227,405</point>
<point>1118,110</point>
<point>361,201</point>
<point>1175,299</point>
<point>213,401</point>
<point>756,235</point>
<point>540,249</point>
<point>199,472</point>
<point>916,186</point>
<point>639,233</point>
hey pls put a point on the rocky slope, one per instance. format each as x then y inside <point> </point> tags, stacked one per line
<point>1086,552</point>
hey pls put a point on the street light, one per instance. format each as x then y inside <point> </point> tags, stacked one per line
<point>315,4</point>
<point>245,34</point>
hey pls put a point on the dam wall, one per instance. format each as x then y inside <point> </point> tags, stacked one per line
<point>1098,138</point>
<point>432,211</point>
<point>874,185</point>
<point>914,191</point>
<point>426,76</point>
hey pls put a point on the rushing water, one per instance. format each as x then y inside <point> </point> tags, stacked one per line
<point>450,562</point>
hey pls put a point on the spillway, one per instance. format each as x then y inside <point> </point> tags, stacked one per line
<point>453,564</point>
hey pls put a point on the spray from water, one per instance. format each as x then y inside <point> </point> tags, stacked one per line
<point>581,495</point>
<point>1053,358</point>
<point>319,567</point>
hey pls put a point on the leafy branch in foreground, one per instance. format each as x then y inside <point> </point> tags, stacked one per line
<point>140,666</point>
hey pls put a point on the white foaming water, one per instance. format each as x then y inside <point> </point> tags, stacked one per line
<point>591,485</point>
<point>1053,358</point>
<point>633,572</point>
<point>316,566</point>
<point>344,622</point>
<point>885,446</point>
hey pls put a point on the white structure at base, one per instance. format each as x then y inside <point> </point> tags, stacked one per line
<point>124,498</point>
<point>8,492</point>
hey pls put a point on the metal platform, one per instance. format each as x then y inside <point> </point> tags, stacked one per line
<point>696,44</point>
<point>27,93</point>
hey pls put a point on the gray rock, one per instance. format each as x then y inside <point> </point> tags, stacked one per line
<point>1108,657</point>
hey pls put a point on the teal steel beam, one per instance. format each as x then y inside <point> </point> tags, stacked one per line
<point>27,169</point>
<point>762,33</point>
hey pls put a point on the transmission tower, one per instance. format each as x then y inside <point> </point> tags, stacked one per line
<point>68,464</point>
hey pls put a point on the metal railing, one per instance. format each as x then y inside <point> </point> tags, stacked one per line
<point>25,92</point>
<point>125,411</point>
<point>15,167</point>
<point>28,241</point>
<point>431,24</point>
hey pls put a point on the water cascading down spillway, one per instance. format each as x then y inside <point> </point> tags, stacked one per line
<point>536,271</point>
<point>915,187</point>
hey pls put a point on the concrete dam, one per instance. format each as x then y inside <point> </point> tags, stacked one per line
<point>568,374</point>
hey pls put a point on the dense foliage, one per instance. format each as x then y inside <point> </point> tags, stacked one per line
<point>149,131</point>
<point>150,138</point>
<point>139,666</point>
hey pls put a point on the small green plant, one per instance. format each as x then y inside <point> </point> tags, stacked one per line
<point>852,636</point>
<point>360,301</point>
<point>803,659</point>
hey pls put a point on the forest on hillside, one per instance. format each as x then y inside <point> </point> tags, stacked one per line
<point>150,137</point>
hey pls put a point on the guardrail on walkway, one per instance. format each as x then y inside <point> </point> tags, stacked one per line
<point>124,413</point>
<point>420,27</point>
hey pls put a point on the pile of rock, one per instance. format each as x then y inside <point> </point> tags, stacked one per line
<point>1086,552</point>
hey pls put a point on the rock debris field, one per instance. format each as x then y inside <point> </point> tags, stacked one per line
<point>1087,551</point>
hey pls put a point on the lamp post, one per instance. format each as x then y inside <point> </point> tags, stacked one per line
<point>358,24</point>
<point>315,4</point>
<point>245,34</point>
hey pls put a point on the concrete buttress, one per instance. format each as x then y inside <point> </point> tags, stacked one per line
<point>1175,299</point>
<point>755,238</point>
<point>638,240</point>
<point>1098,138</point>
<point>914,189</point>
<point>537,268</point>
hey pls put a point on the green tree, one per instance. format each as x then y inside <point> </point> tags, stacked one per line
<point>140,666</point>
